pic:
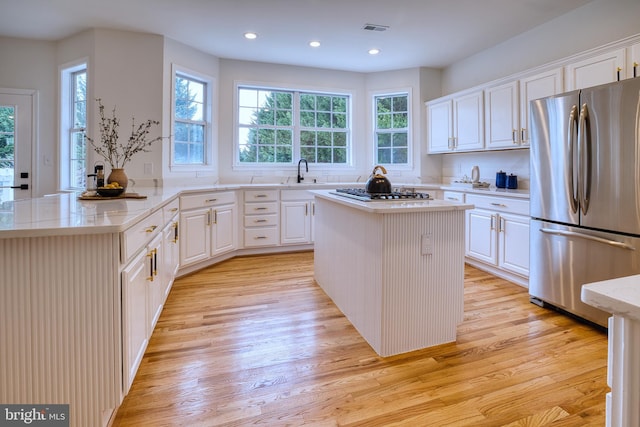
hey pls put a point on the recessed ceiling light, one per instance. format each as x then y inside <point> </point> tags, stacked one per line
<point>250,36</point>
<point>314,43</point>
<point>374,51</point>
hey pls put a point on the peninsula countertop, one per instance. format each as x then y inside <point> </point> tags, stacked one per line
<point>65,214</point>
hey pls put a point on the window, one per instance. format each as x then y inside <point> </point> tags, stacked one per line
<point>73,147</point>
<point>392,129</point>
<point>190,121</point>
<point>281,126</point>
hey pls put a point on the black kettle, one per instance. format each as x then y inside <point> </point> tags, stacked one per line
<point>378,183</point>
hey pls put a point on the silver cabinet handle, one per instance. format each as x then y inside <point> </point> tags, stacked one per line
<point>566,233</point>
<point>210,200</point>
<point>260,220</point>
<point>257,196</point>
<point>260,237</point>
<point>502,205</point>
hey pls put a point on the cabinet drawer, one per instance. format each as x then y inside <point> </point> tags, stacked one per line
<point>453,196</point>
<point>134,238</point>
<point>261,208</point>
<point>501,204</point>
<point>295,195</point>
<point>267,236</point>
<point>207,199</point>
<point>260,195</point>
<point>170,210</point>
<point>260,220</point>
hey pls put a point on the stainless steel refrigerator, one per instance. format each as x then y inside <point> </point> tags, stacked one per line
<point>585,193</point>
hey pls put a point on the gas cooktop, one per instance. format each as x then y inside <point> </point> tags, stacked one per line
<point>362,195</point>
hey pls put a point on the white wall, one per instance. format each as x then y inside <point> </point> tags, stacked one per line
<point>592,25</point>
<point>31,64</point>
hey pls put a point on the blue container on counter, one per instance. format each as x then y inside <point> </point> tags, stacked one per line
<point>501,179</point>
<point>512,182</point>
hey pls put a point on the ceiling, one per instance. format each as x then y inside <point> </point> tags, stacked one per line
<point>421,33</point>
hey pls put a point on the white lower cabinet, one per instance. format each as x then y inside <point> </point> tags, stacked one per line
<point>208,226</point>
<point>497,234</point>
<point>297,208</point>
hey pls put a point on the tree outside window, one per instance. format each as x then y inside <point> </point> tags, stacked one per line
<point>190,125</point>
<point>392,129</point>
<point>269,133</point>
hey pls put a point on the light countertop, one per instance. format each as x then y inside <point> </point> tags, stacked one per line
<point>399,206</point>
<point>65,214</point>
<point>617,296</point>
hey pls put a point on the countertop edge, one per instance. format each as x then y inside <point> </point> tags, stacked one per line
<point>619,296</point>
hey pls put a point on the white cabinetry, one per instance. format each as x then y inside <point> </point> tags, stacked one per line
<point>144,288</point>
<point>457,123</point>
<point>546,83</point>
<point>261,218</point>
<point>497,235</point>
<point>170,245</point>
<point>208,225</point>
<point>507,108</point>
<point>599,69</point>
<point>502,118</point>
<point>297,208</point>
<point>633,60</point>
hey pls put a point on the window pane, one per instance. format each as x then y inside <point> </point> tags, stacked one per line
<point>384,155</point>
<point>284,137</point>
<point>339,155</point>
<point>400,121</point>
<point>284,154</point>
<point>307,102</point>
<point>400,103</point>
<point>400,155</point>
<point>181,132</point>
<point>324,155</point>
<point>339,139</point>
<point>181,152</point>
<point>247,116</point>
<point>324,139</point>
<point>323,103</point>
<point>384,121</point>
<point>308,153</point>
<point>284,101</point>
<point>265,116</point>
<point>339,104</point>
<point>307,137</point>
<point>307,119</point>
<point>383,105</point>
<point>399,140</point>
<point>283,118</point>
<point>384,140</point>
<point>324,120</point>
<point>339,121</point>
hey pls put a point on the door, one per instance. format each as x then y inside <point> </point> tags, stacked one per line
<point>440,126</point>
<point>541,85</point>
<point>611,178</point>
<point>16,142</point>
<point>223,230</point>
<point>480,241</point>
<point>502,115</point>
<point>552,180</point>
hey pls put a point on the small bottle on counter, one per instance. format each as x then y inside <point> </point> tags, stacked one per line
<point>99,176</point>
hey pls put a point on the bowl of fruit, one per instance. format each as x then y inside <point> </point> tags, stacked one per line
<point>113,189</point>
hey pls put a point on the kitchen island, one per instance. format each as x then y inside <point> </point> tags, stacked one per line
<point>394,268</point>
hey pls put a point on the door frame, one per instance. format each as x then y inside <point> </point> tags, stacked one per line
<point>34,94</point>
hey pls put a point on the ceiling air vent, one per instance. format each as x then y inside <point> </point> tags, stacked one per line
<point>374,27</point>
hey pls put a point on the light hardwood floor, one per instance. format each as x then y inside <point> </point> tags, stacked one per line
<point>254,341</point>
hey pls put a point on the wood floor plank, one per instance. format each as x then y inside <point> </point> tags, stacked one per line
<point>255,341</point>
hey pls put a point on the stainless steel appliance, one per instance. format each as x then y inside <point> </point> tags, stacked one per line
<point>585,193</point>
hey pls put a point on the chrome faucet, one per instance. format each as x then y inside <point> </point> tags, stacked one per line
<point>300,177</point>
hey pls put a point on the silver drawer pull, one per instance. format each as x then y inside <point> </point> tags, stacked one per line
<point>260,220</point>
<point>260,209</point>
<point>260,237</point>
<point>260,195</point>
<point>210,200</point>
<point>502,205</point>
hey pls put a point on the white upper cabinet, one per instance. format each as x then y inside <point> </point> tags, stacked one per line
<point>440,126</point>
<point>600,69</point>
<point>468,121</point>
<point>501,109</point>
<point>538,86</point>
<point>457,123</point>
<point>633,61</point>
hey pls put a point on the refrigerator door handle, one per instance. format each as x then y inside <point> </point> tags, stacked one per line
<point>571,142</point>
<point>584,156</point>
<point>609,242</point>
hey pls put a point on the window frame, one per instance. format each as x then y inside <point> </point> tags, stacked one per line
<point>209,120</point>
<point>409,129</point>
<point>296,127</point>
<point>67,123</point>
